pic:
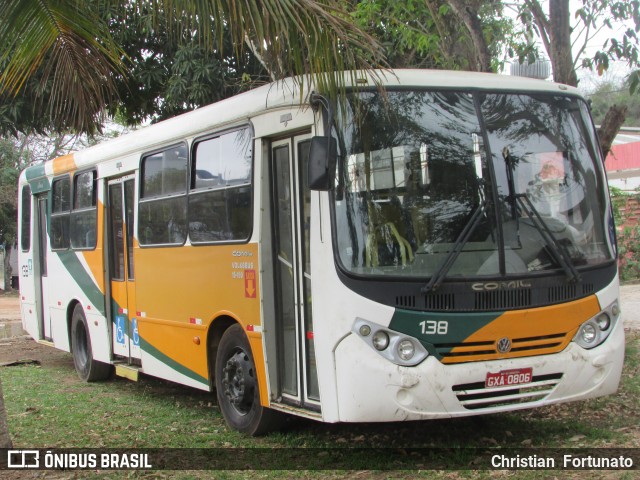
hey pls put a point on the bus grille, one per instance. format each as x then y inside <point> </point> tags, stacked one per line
<point>496,300</point>
<point>475,396</point>
<point>503,299</point>
<point>487,350</point>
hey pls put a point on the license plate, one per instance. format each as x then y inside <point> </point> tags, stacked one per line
<point>506,378</point>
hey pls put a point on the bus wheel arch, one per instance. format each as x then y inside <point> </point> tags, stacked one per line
<point>70,309</point>
<point>88,369</point>
<point>214,335</point>
<point>236,382</point>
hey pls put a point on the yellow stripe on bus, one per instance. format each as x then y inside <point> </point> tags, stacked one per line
<point>64,164</point>
<point>95,258</point>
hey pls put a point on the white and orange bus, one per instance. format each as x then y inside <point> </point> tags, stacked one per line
<point>443,249</point>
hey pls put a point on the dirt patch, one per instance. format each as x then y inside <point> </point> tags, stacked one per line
<point>16,345</point>
<point>9,306</point>
<point>24,348</point>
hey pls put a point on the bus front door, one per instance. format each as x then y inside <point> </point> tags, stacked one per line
<point>291,203</point>
<point>120,218</point>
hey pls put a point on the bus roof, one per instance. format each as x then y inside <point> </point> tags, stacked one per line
<point>283,94</point>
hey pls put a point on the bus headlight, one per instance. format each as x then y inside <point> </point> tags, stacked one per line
<point>603,321</point>
<point>365,330</point>
<point>596,330</point>
<point>380,340</point>
<point>588,333</point>
<point>394,346</point>
<point>406,349</point>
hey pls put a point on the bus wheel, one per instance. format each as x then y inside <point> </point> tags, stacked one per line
<point>88,369</point>
<point>237,386</point>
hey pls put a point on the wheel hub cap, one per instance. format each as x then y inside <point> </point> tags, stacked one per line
<point>238,382</point>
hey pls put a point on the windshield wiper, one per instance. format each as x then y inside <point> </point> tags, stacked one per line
<point>557,249</point>
<point>463,238</point>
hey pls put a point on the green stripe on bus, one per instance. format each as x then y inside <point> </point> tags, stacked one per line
<point>443,329</point>
<point>37,178</point>
<point>156,353</point>
<point>83,279</point>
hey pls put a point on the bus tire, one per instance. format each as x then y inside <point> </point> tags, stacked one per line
<point>88,369</point>
<point>237,386</point>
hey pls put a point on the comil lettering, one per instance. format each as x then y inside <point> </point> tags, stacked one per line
<point>490,286</point>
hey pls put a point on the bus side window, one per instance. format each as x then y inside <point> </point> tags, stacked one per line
<point>60,212</point>
<point>25,219</point>
<point>220,195</point>
<point>83,215</point>
<point>163,197</point>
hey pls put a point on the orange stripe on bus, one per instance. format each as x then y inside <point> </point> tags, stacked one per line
<point>206,282</point>
<point>95,258</point>
<point>63,164</point>
<point>527,327</point>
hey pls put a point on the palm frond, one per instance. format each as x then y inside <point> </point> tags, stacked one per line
<point>304,38</point>
<point>71,50</point>
<point>71,47</point>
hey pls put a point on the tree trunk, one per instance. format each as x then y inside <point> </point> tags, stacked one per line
<point>560,45</point>
<point>7,268</point>
<point>555,32</point>
<point>471,20</point>
<point>610,127</point>
<point>5,439</point>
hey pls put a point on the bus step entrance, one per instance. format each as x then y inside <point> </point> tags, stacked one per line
<point>127,371</point>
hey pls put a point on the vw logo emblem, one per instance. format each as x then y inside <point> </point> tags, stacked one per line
<point>504,345</point>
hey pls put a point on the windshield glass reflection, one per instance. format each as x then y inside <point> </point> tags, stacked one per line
<point>430,178</point>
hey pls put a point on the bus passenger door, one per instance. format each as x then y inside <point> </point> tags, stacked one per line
<point>291,203</point>
<point>42,285</point>
<point>120,218</point>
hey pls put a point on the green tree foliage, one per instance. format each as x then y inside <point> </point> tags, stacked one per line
<point>618,93</point>
<point>12,161</point>
<point>23,112</point>
<point>430,33</point>
<point>628,237</point>
<point>169,73</point>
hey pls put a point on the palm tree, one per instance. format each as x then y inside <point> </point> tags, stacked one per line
<point>63,51</point>
<point>63,48</point>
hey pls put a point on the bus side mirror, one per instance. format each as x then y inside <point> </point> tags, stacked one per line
<point>322,163</point>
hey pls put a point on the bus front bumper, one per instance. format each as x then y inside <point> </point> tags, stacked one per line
<point>371,388</point>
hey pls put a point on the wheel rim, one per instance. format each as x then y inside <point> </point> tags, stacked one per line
<point>238,382</point>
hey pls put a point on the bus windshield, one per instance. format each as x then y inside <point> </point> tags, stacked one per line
<point>468,184</point>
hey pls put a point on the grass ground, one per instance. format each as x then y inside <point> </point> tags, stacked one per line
<point>49,407</point>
